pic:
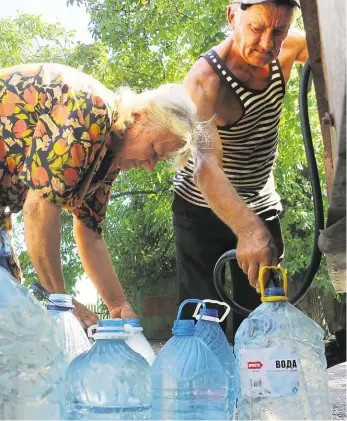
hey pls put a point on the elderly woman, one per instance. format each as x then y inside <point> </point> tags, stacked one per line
<point>64,138</point>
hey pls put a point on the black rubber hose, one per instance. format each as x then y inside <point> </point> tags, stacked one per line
<point>217,277</point>
<point>317,203</point>
<point>315,182</point>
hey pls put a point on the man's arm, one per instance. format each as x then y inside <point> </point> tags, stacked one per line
<point>295,46</point>
<point>42,236</point>
<point>97,264</point>
<point>255,245</point>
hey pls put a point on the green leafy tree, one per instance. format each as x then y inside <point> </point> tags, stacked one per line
<point>26,38</point>
<point>143,44</point>
<point>155,42</point>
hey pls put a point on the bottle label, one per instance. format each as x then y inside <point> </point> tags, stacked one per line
<point>269,372</point>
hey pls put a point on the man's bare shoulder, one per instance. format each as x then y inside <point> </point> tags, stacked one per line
<point>201,76</point>
<point>294,47</point>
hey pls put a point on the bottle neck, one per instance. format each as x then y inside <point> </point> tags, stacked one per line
<point>273,291</point>
<point>60,302</point>
<point>134,323</point>
<point>184,328</point>
<point>110,340</point>
<point>112,330</point>
<point>209,315</point>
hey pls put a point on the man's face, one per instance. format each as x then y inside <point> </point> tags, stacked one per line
<point>260,30</point>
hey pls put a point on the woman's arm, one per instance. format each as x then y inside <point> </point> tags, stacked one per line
<point>42,236</point>
<point>97,264</point>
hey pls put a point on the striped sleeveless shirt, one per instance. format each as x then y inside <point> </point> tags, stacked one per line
<point>249,145</point>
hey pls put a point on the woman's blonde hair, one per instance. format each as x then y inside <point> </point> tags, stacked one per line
<point>168,107</point>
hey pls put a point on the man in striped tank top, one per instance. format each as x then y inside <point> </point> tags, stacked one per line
<point>225,197</point>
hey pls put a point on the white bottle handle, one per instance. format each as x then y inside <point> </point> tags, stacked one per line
<point>128,332</point>
<point>216,319</point>
<point>90,330</point>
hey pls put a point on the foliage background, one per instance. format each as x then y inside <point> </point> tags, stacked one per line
<point>144,44</point>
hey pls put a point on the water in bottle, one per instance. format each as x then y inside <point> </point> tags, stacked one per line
<point>138,341</point>
<point>110,381</point>
<point>31,356</point>
<point>75,339</point>
<point>188,381</point>
<point>210,332</point>
<point>280,362</point>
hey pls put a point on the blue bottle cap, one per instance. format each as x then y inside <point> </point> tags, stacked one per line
<point>211,312</point>
<point>274,291</point>
<point>132,322</point>
<point>116,323</point>
<point>110,329</point>
<point>184,328</point>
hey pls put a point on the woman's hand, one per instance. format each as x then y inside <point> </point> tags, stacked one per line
<point>98,266</point>
<point>122,310</point>
<point>87,317</point>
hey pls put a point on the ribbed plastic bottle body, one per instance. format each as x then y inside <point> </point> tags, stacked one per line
<point>31,356</point>
<point>189,382</point>
<point>109,382</point>
<point>139,343</point>
<point>75,339</point>
<point>213,336</point>
<point>281,366</point>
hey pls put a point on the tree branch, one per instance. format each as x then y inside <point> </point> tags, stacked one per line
<point>62,48</point>
<point>136,192</point>
<point>167,245</point>
<point>163,67</point>
<point>142,74</point>
<point>178,11</point>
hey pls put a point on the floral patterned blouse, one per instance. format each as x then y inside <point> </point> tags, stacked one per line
<point>54,128</point>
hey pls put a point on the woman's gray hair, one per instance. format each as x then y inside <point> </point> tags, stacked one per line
<point>168,107</point>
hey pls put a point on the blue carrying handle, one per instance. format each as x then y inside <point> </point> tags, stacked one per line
<point>190,300</point>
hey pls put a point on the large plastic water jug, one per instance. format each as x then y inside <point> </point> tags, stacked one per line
<point>210,332</point>
<point>188,381</point>
<point>280,361</point>
<point>75,339</point>
<point>32,362</point>
<point>110,381</point>
<point>138,341</point>
<point>5,249</point>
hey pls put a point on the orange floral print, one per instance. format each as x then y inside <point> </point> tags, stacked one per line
<point>19,128</point>
<point>30,95</point>
<point>39,176</point>
<point>49,141</point>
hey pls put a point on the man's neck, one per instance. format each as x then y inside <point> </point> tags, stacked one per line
<point>236,63</point>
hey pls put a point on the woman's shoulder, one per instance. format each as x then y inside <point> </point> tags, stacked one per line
<point>78,81</point>
<point>56,75</point>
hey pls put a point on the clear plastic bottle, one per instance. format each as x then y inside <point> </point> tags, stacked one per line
<point>280,363</point>
<point>210,332</point>
<point>138,342</point>
<point>110,381</point>
<point>188,381</point>
<point>5,249</point>
<point>75,339</point>
<point>31,356</point>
